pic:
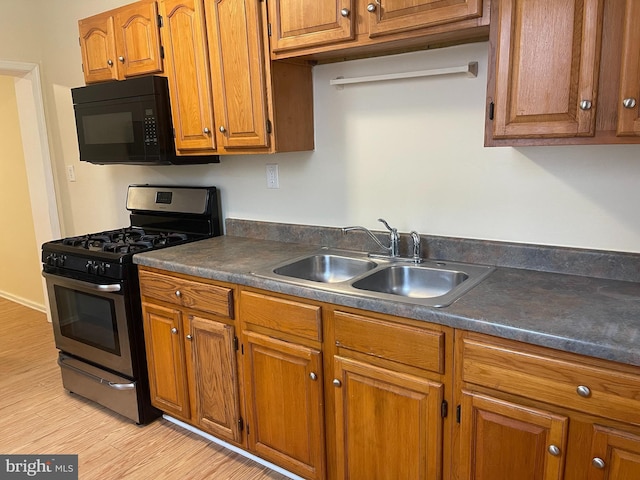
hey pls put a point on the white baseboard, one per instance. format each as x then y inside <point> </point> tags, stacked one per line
<point>23,301</point>
<point>233,448</point>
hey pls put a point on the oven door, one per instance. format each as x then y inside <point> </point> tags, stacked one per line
<point>90,321</point>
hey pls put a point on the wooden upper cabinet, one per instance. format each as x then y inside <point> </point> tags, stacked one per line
<point>392,16</point>
<point>121,43</point>
<point>546,67</point>
<point>187,70</point>
<point>305,23</point>
<point>98,48</point>
<point>137,38</point>
<point>234,33</point>
<point>629,95</point>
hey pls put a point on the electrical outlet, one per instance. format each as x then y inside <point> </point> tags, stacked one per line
<point>272,176</point>
<point>71,173</point>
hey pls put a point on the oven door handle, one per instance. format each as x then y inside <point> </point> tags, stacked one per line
<point>115,287</point>
<point>96,378</point>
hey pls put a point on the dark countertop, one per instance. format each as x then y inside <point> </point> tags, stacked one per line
<point>585,315</point>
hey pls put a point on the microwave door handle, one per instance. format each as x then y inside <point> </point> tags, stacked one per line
<point>115,287</point>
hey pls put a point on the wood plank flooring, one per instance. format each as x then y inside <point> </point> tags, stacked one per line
<point>37,416</point>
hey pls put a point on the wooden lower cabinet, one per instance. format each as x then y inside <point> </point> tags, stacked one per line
<point>615,455</point>
<point>285,408</point>
<point>504,440</point>
<point>388,424</point>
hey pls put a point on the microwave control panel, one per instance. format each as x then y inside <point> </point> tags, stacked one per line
<point>150,131</point>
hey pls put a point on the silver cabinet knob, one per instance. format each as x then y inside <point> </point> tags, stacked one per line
<point>174,330</point>
<point>313,376</point>
<point>598,463</point>
<point>110,62</point>
<point>371,7</point>
<point>345,12</point>
<point>189,337</point>
<point>583,391</point>
<point>629,102</point>
<point>585,105</point>
<point>121,58</point>
<point>222,129</point>
<point>554,450</point>
<point>178,293</point>
<point>206,131</point>
<point>337,382</point>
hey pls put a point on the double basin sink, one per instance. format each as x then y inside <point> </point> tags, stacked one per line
<point>430,283</point>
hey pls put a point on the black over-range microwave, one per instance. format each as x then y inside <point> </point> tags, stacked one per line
<point>128,122</point>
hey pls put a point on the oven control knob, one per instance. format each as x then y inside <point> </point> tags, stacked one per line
<point>59,260</point>
<point>100,268</point>
<point>92,267</point>
<point>51,259</point>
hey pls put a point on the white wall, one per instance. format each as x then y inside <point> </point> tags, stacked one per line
<point>410,151</point>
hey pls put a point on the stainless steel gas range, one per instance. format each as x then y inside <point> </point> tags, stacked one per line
<point>92,285</point>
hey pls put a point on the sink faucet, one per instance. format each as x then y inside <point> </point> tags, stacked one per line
<point>393,237</point>
<point>415,239</point>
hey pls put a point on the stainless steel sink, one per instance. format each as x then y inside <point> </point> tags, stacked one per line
<point>412,281</point>
<point>326,268</point>
<point>432,283</point>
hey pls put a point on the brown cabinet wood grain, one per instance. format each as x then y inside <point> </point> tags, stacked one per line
<point>573,80</point>
<point>121,43</point>
<point>335,30</point>
<point>388,424</point>
<point>543,413</point>
<point>191,352</point>
<point>188,74</point>
<point>285,408</point>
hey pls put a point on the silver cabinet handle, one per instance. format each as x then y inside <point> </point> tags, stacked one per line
<point>337,382</point>
<point>585,105</point>
<point>313,376</point>
<point>222,129</point>
<point>189,337</point>
<point>629,102</point>
<point>598,463</point>
<point>178,293</point>
<point>583,391</point>
<point>121,58</point>
<point>371,8</point>
<point>554,450</point>
<point>206,131</point>
<point>345,12</point>
<point>110,62</point>
<point>174,330</point>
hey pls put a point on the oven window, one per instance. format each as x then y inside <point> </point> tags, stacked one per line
<point>86,318</point>
<point>108,128</point>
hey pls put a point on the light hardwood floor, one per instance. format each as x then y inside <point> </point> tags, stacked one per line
<point>37,416</point>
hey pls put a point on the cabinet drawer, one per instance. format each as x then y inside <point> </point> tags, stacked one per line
<point>561,379</point>
<point>188,293</point>
<point>411,346</point>
<point>287,316</point>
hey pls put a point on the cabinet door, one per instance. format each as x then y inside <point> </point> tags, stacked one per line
<point>285,408</point>
<point>629,106</point>
<point>166,360</point>
<point>237,64</point>
<point>503,440</point>
<point>137,38</point>
<point>546,67</point>
<point>307,23</point>
<point>98,48</point>
<point>392,16</point>
<point>615,455</point>
<point>187,70</point>
<point>210,348</point>
<point>388,424</point>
